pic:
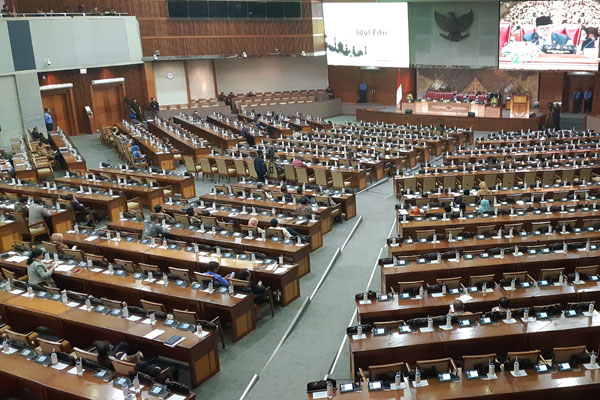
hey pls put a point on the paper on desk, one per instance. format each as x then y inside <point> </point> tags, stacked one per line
<point>96,270</point>
<point>133,318</point>
<point>280,271</point>
<point>72,371</point>
<point>465,297</point>
<point>72,304</point>
<point>154,334</point>
<point>271,267</point>
<point>91,238</point>
<point>176,397</point>
<point>60,366</point>
<point>64,268</point>
<point>11,350</point>
<point>319,395</point>
<point>239,296</point>
<point>16,259</point>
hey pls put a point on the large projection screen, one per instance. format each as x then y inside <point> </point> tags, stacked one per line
<point>549,35</point>
<point>366,34</point>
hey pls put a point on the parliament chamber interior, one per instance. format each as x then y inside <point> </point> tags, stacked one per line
<point>300,199</point>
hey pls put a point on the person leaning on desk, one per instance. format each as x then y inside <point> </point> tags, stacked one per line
<point>153,229</point>
<point>37,271</point>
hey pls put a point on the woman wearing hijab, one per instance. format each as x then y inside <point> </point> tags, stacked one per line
<point>484,207</point>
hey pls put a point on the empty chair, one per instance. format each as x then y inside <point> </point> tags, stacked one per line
<point>438,366</point>
<point>240,167</point>
<point>207,168</point>
<point>74,254</point>
<point>558,196</point>
<point>410,286</point>
<point>27,339</point>
<point>508,180</point>
<point>339,182</point>
<point>566,354</point>
<point>152,306</point>
<point>11,276</point>
<point>567,175</point>
<point>479,280</point>
<point>48,346</point>
<point>519,276</point>
<point>182,219</point>
<point>224,170</point>
<point>585,174</point>
<point>516,229</point>
<point>303,176</point>
<point>425,234</point>
<point>529,178</point>
<point>321,177</point>
<point>594,223</point>
<point>386,372</point>
<point>451,283</point>
<point>548,178</point>
<point>490,180</point>
<point>226,226</point>
<point>208,221</point>
<point>468,181</point>
<point>113,303</point>
<point>454,231</point>
<point>128,266</point>
<point>550,274</point>
<point>180,273</point>
<point>290,173</point>
<point>222,189</point>
<point>542,227</point>
<point>587,271</point>
<point>531,356</point>
<point>478,362</point>
<point>410,183</point>
<point>568,225</point>
<point>449,182</point>
<point>486,230</point>
<point>145,268</point>
<point>428,184</point>
<point>185,316</point>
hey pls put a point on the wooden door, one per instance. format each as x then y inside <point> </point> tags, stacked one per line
<point>60,104</point>
<point>107,104</point>
<point>572,83</point>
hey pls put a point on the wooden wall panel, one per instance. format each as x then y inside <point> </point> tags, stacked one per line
<point>207,37</point>
<point>135,86</point>
<point>551,87</point>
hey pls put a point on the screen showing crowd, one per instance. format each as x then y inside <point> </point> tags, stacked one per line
<point>545,35</point>
<point>366,34</point>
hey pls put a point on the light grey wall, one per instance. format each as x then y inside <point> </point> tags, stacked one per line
<point>6,60</point>
<point>268,74</point>
<point>85,42</point>
<point>479,49</point>
<point>10,112</point>
<point>20,105</point>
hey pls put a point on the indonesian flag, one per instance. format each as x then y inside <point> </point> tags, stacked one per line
<point>399,89</point>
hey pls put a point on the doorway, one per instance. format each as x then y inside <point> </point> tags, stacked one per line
<point>62,108</point>
<point>108,104</point>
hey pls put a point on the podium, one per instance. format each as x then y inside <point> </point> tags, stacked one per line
<point>519,105</point>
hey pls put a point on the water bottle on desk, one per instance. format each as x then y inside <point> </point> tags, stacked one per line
<point>516,366</point>
<point>53,357</point>
<point>329,390</point>
<point>79,367</point>
<point>491,369</point>
<point>417,377</point>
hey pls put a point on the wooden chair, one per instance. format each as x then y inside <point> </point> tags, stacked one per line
<point>207,168</point>
<point>339,182</point>
<point>550,273</point>
<point>468,181</point>
<point>20,245</point>
<point>388,324</point>
<point>303,176</point>
<point>440,365</point>
<point>134,204</point>
<point>28,339</point>
<point>508,180</point>
<point>123,368</point>
<point>217,321</point>
<point>48,346</point>
<point>251,170</point>
<point>564,354</point>
<point>424,234</point>
<point>516,228</point>
<point>384,371</point>
<point>201,277</point>
<point>274,232</point>
<point>451,283</point>
<point>208,221</point>
<point>240,167</point>
<point>226,226</point>
<point>185,316</point>
<point>485,230</point>
<point>455,232</point>
<point>11,276</point>
<point>246,284</point>
<point>127,265</point>
<point>224,170</point>
<point>152,306</point>
<point>87,354</point>
<point>32,230</point>
<point>247,228</point>
<point>321,177</point>
<point>290,173</point>
<point>548,178</point>
<point>406,286</point>
<point>470,362</point>
<point>150,268</point>
<point>96,259</point>
<point>475,280</point>
<point>530,355</point>
<point>182,219</point>
<point>588,270</point>
<point>113,303</point>
<point>76,254</point>
<point>520,276</point>
<point>180,273</point>
<point>50,247</point>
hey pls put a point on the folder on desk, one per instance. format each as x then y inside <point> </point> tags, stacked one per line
<point>174,340</point>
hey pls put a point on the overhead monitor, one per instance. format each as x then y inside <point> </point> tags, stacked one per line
<point>549,35</point>
<point>366,34</point>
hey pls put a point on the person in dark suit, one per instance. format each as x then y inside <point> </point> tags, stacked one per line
<point>154,107</point>
<point>362,92</point>
<point>577,100</point>
<point>257,289</point>
<point>260,167</point>
<point>588,96</point>
<point>556,116</point>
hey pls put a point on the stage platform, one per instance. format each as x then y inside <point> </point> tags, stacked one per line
<point>393,115</point>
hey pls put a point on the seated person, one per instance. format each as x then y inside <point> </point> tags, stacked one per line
<point>503,304</point>
<point>126,352</point>
<point>253,222</point>
<point>288,233</point>
<point>298,162</point>
<point>257,289</point>
<point>483,189</point>
<point>57,240</point>
<point>415,211</point>
<point>21,206</point>
<point>484,207</point>
<point>192,216</point>
<point>79,209</point>
<point>103,348</point>
<point>37,211</point>
<point>458,308</point>
<point>288,197</point>
<point>154,229</point>
<point>158,210</point>
<point>304,209</point>
<point>213,269</point>
<point>259,186</point>
<point>135,151</point>
<point>39,273</point>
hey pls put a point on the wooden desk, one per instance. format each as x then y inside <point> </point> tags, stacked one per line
<point>161,159</point>
<point>180,183</point>
<point>314,229</point>
<point>479,339</point>
<point>390,276</point>
<point>207,133</point>
<point>405,309</point>
<point>81,327</point>
<point>275,129</point>
<point>74,164</point>
<point>21,377</point>
<point>285,281</point>
<point>148,196</point>
<point>300,254</point>
<point>346,200</point>
<point>186,146</point>
<point>323,212</point>
<point>553,386</point>
<point>227,123</point>
<point>107,205</point>
<point>239,311</point>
